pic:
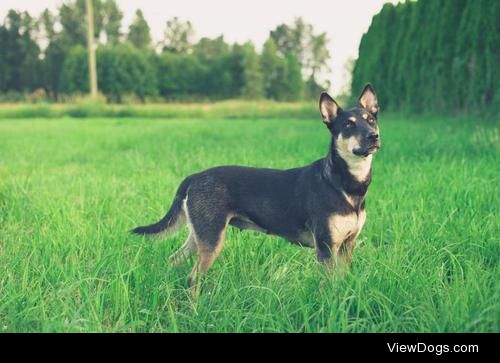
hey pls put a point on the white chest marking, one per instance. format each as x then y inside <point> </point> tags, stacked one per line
<point>347,226</point>
<point>360,167</point>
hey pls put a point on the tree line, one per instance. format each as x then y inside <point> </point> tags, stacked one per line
<point>433,55</point>
<point>48,55</point>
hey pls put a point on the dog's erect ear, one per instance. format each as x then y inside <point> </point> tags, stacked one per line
<point>328,107</point>
<point>368,99</point>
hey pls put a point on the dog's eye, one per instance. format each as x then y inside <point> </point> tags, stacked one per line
<point>349,124</point>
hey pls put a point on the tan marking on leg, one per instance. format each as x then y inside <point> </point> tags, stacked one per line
<point>204,263</point>
<point>345,250</point>
<point>193,274</point>
<point>207,257</point>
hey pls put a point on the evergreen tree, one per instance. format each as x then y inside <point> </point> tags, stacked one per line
<point>433,55</point>
<point>445,97</point>
<point>209,49</point>
<point>270,61</point>
<point>253,87</point>
<point>5,66</point>
<point>404,59</point>
<point>30,64</point>
<point>72,17</point>
<point>294,83</point>
<point>139,33</point>
<point>46,24</point>
<point>20,55</point>
<point>52,65</point>
<point>112,19</point>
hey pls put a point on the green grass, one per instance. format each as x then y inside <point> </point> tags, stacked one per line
<point>230,109</point>
<point>427,259</point>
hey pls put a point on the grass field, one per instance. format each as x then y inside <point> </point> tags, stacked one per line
<point>229,109</point>
<point>70,189</point>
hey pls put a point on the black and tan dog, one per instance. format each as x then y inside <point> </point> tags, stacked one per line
<point>321,205</point>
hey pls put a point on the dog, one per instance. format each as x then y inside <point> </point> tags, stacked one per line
<point>321,205</point>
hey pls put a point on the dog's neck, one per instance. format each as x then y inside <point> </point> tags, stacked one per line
<point>347,172</point>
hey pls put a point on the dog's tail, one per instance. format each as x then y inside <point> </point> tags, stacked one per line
<point>172,219</point>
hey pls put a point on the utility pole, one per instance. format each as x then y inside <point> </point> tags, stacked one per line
<point>90,44</point>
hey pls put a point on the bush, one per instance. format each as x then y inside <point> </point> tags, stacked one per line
<point>74,76</point>
<point>121,70</point>
<point>89,108</point>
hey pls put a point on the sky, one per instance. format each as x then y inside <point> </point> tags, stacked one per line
<point>344,21</point>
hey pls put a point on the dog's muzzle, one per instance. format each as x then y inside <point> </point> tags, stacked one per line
<point>368,150</point>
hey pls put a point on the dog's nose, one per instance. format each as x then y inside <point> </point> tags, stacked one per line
<point>373,136</point>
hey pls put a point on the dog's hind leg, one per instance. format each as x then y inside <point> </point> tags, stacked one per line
<point>210,245</point>
<point>209,229</point>
<point>187,250</point>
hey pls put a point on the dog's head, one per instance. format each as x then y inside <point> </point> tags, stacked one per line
<point>355,131</point>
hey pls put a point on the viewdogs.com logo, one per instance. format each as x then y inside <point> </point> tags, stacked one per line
<point>437,349</point>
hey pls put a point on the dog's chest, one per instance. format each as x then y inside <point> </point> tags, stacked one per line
<point>344,227</point>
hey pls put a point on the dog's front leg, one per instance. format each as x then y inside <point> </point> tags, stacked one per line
<point>345,254</point>
<point>334,254</point>
<point>325,251</point>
